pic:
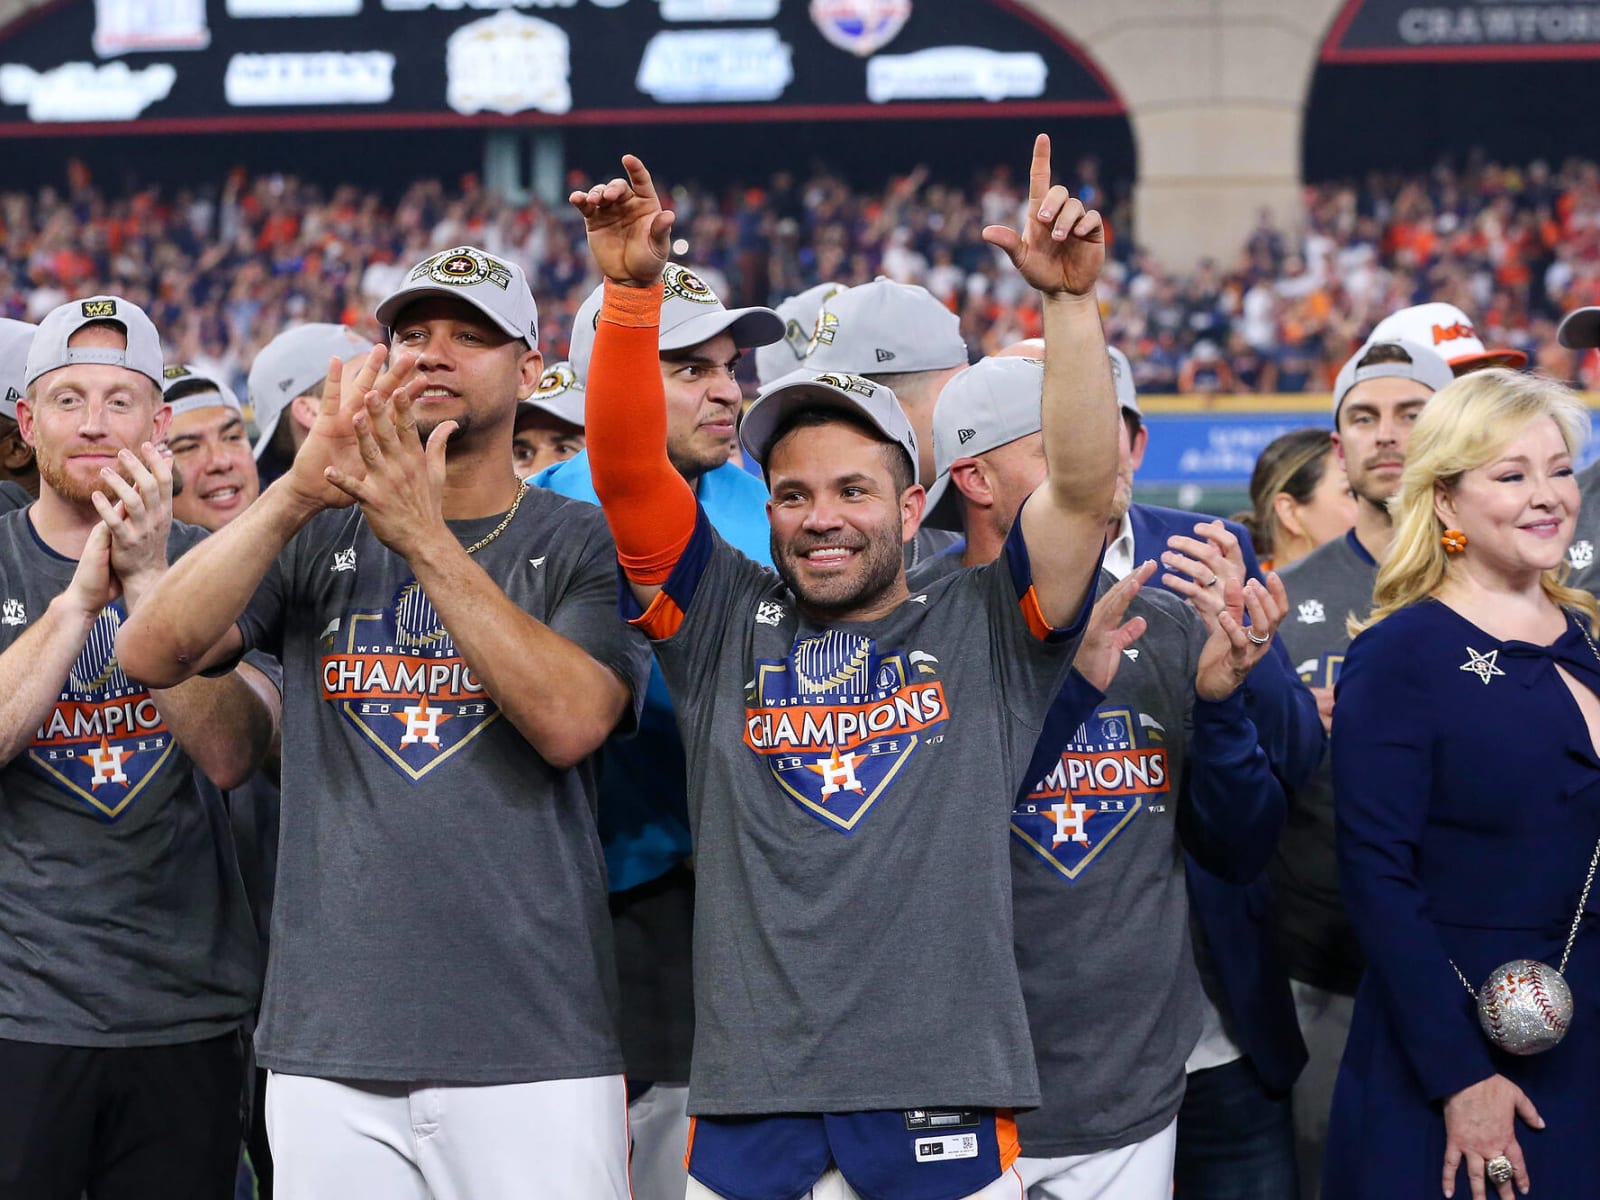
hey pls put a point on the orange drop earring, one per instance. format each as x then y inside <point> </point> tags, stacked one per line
<point>1454,541</point>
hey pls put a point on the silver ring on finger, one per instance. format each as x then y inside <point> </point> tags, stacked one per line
<point>1212,581</point>
<point>1260,641</point>
<point>1498,1170</point>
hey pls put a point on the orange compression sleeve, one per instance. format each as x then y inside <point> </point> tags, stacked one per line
<point>649,506</point>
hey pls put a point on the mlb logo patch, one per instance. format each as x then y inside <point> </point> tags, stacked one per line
<point>395,677</point>
<point>95,309</point>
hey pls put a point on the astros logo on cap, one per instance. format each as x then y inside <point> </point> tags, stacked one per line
<point>1451,333</point>
<point>464,267</point>
<point>686,285</point>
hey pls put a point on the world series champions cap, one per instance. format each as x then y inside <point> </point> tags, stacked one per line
<point>560,393</point>
<point>290,365</point>
<point>1448,331</point>
<point>187,388</point>
<point>691,313</point>
<point>495,287</point>
<point>884,327</point>
<point>990,404</point>
<point>50,350</point>
<point>799,315</point>
<point>803,390</point>
<point>1423,365</point>
<point>16,337</point>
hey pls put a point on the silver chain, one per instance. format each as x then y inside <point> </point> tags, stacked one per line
<point>1588,882</point>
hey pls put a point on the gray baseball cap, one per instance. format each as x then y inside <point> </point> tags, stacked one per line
<point>799,315</point>
<point>187,388</point>
<point>691,313</point>
<point>560,393</point>
<point>496,288</point>
<point>884,327</point>
<point>1428,367</point>
<point>1122,380</point>
<point>1580,329</point>
<point>290,365</point>
<point>807,389</point>
<point>50,350</point>
<point>15,339</point>
<point>990,404</point>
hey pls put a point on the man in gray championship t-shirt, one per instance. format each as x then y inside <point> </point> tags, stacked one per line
<point>439,1009</point>
<point>853,747</point>
<point>1145,747</point>
<point>128,965</point>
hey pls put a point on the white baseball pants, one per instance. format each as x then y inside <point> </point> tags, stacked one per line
<point>559,1140</point>
<point>1142,1171</point>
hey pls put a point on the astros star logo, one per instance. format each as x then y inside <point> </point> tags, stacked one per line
<point>838,773</point>
<point>106,760</point>
<point>422,724</point>
<point>1482,665</point>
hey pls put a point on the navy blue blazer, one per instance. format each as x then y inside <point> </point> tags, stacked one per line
<point>1237,918</point>
<point>1468,806</point>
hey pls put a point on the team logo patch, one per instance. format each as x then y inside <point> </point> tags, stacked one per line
<point>95,309</point>
<point>1580,555</point>
<point>1312,612</point>
<point>862,27</point>
<point>837,721</point>
<point>683,283</point>
<point>464,267</point>
<point>396,677</point>
<point>1453,333</point>
<point>175,372</point>
<point>556,381</point>
<point>104,741</point>
<point>14,612</point>
<point>823,332</point>
<point>849,383</point>
<point>1113,769</point>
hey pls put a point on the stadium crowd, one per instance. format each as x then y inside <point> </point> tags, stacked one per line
<point>224,265</point>
<point>936,821</point>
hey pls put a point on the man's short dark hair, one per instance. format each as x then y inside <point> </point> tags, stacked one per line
<point>1134,422</point>
<point>901,470</point>
<point>1384,352</point>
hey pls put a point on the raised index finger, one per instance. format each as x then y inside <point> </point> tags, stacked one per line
<point>638,176</point>
<point>1039,173</point>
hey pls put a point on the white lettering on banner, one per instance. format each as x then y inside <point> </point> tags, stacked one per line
<point>84,91</point>
<point>365,77</point>
<point>458,5</point>
<point>1480,24</point>
<point>749,64</point>
<point>718,10</point>
<point>294,8</point>
<point>1230,451</point>
<point>955,73</point>
<point>508,63</point>
<point>123,26</point>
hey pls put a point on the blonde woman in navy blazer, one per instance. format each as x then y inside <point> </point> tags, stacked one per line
<point>1468,800</point>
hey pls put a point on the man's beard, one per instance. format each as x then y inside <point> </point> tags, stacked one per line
<point>879,567</point>
<point>1121,497</point>
<point>426,426</point>
<point>55,476</point>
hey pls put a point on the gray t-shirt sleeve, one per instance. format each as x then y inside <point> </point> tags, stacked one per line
<point>261,623</point>
<point>584,611</point>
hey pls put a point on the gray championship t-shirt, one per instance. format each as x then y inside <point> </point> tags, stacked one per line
<point>1585,548</point>
<point>123,919</point>
<point>1326,587</point>
<point>440,911</point>
<point>1101,905</point>
<point>13,495</point>
<point>850,790</point>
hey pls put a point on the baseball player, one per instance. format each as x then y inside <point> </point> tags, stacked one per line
<point>19,474</point>
<point>1144,747</point>
<point>285,388</point>
<point>644,814</point>
<point>128,964</point>
<point>438,1021</point>
<point>859,1021</point>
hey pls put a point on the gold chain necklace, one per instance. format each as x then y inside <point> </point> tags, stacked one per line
<point>522,490</point>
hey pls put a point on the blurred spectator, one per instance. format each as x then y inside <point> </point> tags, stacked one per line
<point>1299,498</point>
<point>224,263</point>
